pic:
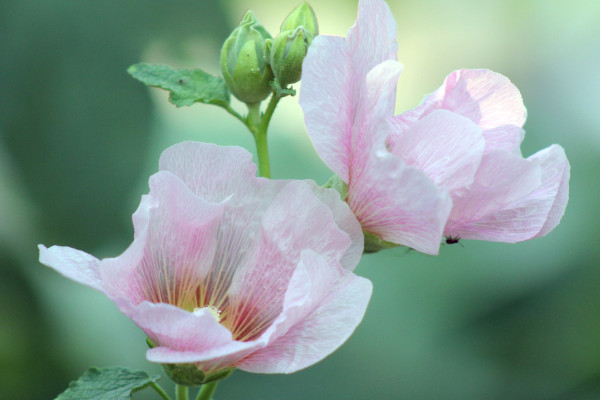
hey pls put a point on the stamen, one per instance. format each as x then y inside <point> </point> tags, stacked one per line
<point>214,311</point>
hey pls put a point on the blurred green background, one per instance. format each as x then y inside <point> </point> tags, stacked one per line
<point>79,138</point>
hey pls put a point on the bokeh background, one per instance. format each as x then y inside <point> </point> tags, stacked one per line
<point>79,139</point>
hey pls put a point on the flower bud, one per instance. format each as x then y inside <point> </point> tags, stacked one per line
<point>286,53</point>
<point>243,63</point>
<point>304,16</point>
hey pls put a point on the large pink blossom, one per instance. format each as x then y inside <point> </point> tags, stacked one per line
<point>451,167</point>
<point>229,270</point>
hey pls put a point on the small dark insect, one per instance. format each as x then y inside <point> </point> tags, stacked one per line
<point>180,81</point>
<point>452,239</point>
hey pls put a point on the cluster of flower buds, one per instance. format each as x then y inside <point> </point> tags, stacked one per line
<point>251,58</point>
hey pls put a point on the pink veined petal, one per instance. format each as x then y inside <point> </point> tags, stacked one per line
<point>166,262</point>
<point>141,215</point>
<point>371,120</point>
<point>176,328</point>
<point>258,288</point>
<point>346,221</point>
<point>185,337</point>
<point>372,39</point>
<point>556,172</point>
<point>212,172</point>
<point>326,99</point>
<point>334,82</point>
<point>485,97</point>
<point>446,146</point>
<point>399,203</point>
<point>491,209</point>
<point>74,264</point>
<point>505,138</point>
<point>322,309</point>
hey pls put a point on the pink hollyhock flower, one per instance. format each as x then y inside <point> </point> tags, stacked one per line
<point>497,194</point>
<point>229,270</point>
<point>451,167</point>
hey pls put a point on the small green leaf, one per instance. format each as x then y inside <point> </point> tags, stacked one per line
<point>114,383</point>
<point>186,87</point>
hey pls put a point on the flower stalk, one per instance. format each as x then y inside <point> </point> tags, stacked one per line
<point>181,392</point>
<point>160,391</point>
<point>258,124</point>
<point>207,390</point>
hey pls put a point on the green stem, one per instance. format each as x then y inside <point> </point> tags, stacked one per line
<point>181,392</point>
<point>207,390</point>
<point>258,126</point>
<point>160,391</point>
<point>262,150</point>
<point>234,113</point>
<point>253,119</point>
<point>269,112</point>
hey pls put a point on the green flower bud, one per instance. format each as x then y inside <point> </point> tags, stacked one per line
<point>304,16</point>
<point>243,63</point>
<point>286,53</point>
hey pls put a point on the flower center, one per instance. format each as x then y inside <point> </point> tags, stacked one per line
<point>214,311</point>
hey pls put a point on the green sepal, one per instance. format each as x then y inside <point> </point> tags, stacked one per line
<point>279,91</point>
<point>114,383</point>
<point>191,375</point>
<point>303,16</point>
<point>186,87</point>
<point>374,243</point>
<point>150,343</point>
<point>286,53</point>
<point>335,182</point>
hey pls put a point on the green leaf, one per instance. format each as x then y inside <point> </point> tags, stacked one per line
<point>186,87</point>
<point>114,383</point>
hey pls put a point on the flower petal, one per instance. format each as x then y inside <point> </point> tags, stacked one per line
<point>323,306</point>
<point>258,288</point>
<point>514,199</point>
<point>210,171</point>
<point>166,262</point>
<point>346,221</point>
<point>334,82</point>
<point>371,126</point>
<point>485,97</point>
<point>372,39</point>
<point>505,137</point>
<point>556,172</point>
<point>399,203</point>
<point>74,264</point>
<point>446,146</point>
<point>534,209</point>
<point>326,99</point>
<point>184,337</point>
<point>502,179</point>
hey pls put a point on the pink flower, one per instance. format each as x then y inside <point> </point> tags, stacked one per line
<point>229,270</point>
<point>451,167</point>
<point>466,137</point>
